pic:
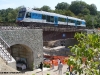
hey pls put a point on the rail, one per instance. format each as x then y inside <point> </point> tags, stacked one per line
<point>5,45</point>
<point>44,26</point>
<point>12,27</point>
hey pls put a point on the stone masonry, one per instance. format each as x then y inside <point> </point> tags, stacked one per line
<point>31,38</point>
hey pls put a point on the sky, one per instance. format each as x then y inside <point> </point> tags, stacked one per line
<point>4,4</point>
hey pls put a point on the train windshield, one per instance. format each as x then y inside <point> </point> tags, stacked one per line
<point>21,14</point>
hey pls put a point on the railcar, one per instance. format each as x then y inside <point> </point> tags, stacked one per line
<point>30,15</point>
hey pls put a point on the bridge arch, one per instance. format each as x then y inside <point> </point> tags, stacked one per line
<point>21,52</point>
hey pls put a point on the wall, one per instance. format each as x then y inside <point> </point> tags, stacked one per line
<point>28,37</point>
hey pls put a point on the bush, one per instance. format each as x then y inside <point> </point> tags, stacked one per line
<point>67,73</point>
<point>48,74</point>
<point>44,65</point>
<point>47,65</point>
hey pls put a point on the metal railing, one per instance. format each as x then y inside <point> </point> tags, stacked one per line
<point>5,54</point>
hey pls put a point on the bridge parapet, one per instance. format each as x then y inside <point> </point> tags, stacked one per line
<point>44,28</point>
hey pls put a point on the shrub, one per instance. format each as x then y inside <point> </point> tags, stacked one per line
<point>67,73</point>
<point>47,65</point>
<point>48,74</point>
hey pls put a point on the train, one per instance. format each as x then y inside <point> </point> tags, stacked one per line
<point>54,19</point>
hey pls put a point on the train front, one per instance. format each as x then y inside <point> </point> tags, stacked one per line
<point>21,15</point>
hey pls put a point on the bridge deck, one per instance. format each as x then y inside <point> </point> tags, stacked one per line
<point>44,26</point>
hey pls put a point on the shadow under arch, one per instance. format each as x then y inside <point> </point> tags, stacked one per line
<point>23,53</point>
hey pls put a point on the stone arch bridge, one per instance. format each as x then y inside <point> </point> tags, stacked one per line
<point>24,44</point>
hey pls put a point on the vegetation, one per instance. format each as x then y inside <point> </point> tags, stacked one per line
<point>86,59</point>
<point>78,9</point>
<point>8,15</point>
<point>48,74</point>
<point>46,65</point>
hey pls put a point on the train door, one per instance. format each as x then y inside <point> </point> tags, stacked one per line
<point>75,23</point>
<point>56,21</point>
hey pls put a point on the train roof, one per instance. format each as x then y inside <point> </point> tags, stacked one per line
<point>76,18</point>
<point>46,13</point>
<point>72,17</point>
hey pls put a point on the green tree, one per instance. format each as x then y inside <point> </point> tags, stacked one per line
<point>93,9</point>
<point>80,15</point>
<point>46,8</point>
<point>69,13</point>
<point>90,21</point>
<point>0,19</point>
<point>60,11</point>
<point>62,6</point>
<point>85,11</point>
<point>98,20</point>
<point>8,15</point>
<point>86,54</point>
<point>77,7</point>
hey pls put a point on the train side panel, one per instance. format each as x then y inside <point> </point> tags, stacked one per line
<point>71,21</point>
<point>30,15</point>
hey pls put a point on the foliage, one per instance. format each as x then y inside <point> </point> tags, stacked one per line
<point>69,13</point>
<point>77,7</point>
<point>62,6</point>
<point>45,8</point>
<point>81,7</point>
<point>97,18</point>
<point>67,73</point>
<point>86,54</point>
<point>85,11</point>
<point>93,9</point>
<point>46,65</point>
<point>8,15</point>
<point>91,21</point>
<point>48,74</point>
<point>60,11</point>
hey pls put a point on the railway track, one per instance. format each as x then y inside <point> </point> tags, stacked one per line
<point>44,26</point>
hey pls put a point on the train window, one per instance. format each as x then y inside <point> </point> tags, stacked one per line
<point>48,18</point>
<point>28,15</point>
<point>52,19</point>
<point>62,19</point>
<point>23,9</point>
<point>71,21</point>
<point>21,14</point>
<point>43,16</point>
<point>78,22</point>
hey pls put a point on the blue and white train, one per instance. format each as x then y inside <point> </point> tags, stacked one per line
<point>30,15</point>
